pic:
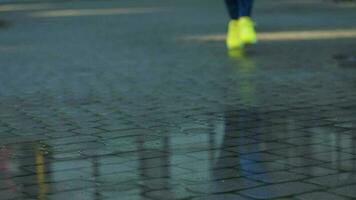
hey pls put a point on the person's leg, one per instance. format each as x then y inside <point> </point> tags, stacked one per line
<point>245,8</point>
<point>241,29</point>
<point>247,33</point>
<point>233,8</point>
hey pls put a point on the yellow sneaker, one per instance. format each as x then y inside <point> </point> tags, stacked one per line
<point>247,32</point>
<point>232,39</point>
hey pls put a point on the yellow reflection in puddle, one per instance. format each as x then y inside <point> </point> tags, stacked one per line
<point>41,179</point>
<point>285,35</point>
<point>93,12</point>
<point>245,66</point>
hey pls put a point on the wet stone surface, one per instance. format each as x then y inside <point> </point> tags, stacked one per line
<point>346,60</point>
<point>101,105</point>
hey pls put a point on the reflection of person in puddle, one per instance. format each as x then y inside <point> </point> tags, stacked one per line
<point>237,120</point>
<point>161,173</point>
<point>5,169</point>
<point>241,30</point>
<point>245,67</point>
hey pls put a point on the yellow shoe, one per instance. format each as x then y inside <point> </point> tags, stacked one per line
<point>232,39</point>
<point>247,32</point>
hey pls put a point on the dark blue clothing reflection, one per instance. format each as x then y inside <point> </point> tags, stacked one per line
<point>239,8</point>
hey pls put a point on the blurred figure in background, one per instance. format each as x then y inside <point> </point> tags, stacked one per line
<point>241,29</point>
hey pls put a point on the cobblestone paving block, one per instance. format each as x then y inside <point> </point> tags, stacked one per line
<point>277,177</point>
<point>107,135</point>
<point>13,140</point>
<point>279,136</point>
<point>159,183</point>
<point>349,150</point>
<point>205,155</point>
<point>112,168</point>
<point>261,156</point>
<point>223,186</point>
<point>314,171</point>
<point>72,165</point>
<point>341,165</point>
<point>77,148</point>
<point>181,159</point>
<point>58,135</point>
<point>279,190</point>
<point>113,178</point>
<point>299,161</point>
<point>254,148</point>
<point>158,173</point>
<point>348,191</point>
<point>334,180</point>
<point>215,174</point>
<point>301,150</point>
<point>305,140</point>
<point>9,194</point>
<point>74,140</point>
<point>176,193</point>
<point>321,196</point>
<point>263,167</point>
<point>77,194</point>
<point>221,197</point>
<point>59,187</point>
<point>128,197</point>
<point>130,194</point>
<point>332,156</point>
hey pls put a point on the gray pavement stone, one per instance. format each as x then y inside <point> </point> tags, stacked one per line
<point>277,177</point>
<point>279,190</point>
<point>205,176</point>
<point>223,186</point>
<point>261,156</point>
<point>60,187</point>
<point>204,155</point>
<point>300,161</point>
<point>348,191</point>
<point>74,140</point>
<point>342,165</point>
<point>253,148</point>
<point>334,180</point>
<point>77,194</point>
<point>221,197</point>
<point>158,173</point>
<point>8,195</point>
<point>332,156</point>
<point>176,193</point>
<point>263,167</point>
<point>314,171</point>
<point>301,150</point>
<point>128,197</point>
<point>320,195</point>
<point>114,178</point>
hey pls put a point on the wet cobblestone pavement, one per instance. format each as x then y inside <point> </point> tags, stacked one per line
<point>140,101</point>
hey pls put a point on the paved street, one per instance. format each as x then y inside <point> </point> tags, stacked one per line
<point>140,100</point>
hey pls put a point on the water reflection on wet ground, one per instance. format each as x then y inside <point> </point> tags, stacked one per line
<point>237,154</point>
<point>242,151</point>
<point>234,151</point>
<point>151,117</point>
